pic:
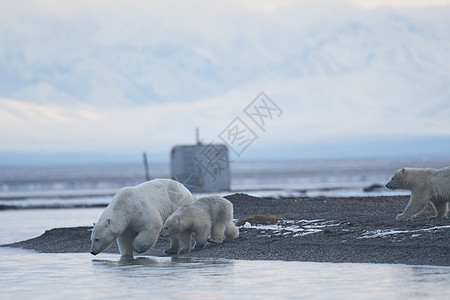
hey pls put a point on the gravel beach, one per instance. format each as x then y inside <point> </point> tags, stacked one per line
<point>323,229</point>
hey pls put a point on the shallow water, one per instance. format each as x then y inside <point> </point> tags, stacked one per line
<point>26,274</point>
<point>19,225</point>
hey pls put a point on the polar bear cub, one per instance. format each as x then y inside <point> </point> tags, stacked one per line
<point>426,185</point>
<point>209,219</point>
<point>136,216</point>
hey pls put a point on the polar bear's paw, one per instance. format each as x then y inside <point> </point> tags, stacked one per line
<point>437,217</point>
<point>200,245</point>
<point>184,250</point>
<point>215,241</point>
<point>171,251</point>
<point>401,217</point>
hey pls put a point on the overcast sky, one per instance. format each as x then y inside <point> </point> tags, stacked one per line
<point>122,77</point>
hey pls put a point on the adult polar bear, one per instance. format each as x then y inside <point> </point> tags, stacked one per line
<point>426,185</point>
<point>136,215</point>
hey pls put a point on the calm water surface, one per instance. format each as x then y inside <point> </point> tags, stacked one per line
<point>26,274</point>
<point>23,224</point>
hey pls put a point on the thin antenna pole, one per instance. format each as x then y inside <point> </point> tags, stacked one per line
<point>147,173</point>
<point>197,136</point>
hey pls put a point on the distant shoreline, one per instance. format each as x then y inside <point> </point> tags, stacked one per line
<point>351,229</point>
<point>101,197</point>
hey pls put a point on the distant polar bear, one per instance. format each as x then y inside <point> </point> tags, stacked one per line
<point>136,216</point>
<point>426,185</point>
<point>208,219</point>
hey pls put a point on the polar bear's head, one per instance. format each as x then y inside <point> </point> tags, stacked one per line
<point>398,180</point>
<point>172,226</point>
<point>103,235</point>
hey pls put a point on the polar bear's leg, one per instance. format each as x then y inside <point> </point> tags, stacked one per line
<point>217,232</point>
<point>174,246</point>
<point>125,243</point>
<point>201,237</point>
<point>416,204</point>
<point>185,242</point>
<point>441,209</point>
<point>231,232</point>
<point>144,240</point>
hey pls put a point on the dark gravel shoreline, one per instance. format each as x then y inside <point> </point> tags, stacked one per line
<point>347,233</point>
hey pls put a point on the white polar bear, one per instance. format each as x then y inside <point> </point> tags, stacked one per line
<point>208,219</point>
<point>136,216</point>
<point>426,185</point>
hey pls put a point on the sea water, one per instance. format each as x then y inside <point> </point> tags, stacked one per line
<point>23,224</point>
<point>28,275</point>
<point>277,174</point>
<point>25,274</point>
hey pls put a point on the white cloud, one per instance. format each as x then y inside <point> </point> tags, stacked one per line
<point>82,127</point>
<point>400,3</point>
<point>157,127</point>
<point>132,75</point>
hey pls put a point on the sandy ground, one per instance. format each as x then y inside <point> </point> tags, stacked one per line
<point>359,229</point>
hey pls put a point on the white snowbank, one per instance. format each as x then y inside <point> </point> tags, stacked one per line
<point>297,228</point>
<point>390,232</point>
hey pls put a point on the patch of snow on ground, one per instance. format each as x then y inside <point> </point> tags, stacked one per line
<point>390,232</point>
<point>298,228</point>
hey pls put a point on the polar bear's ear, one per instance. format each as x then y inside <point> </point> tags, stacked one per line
<point>107,223</point>
<point>403,171</point>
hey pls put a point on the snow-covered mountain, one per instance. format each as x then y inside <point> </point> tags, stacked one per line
<point>62,60</point>
<point>337,71</point>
